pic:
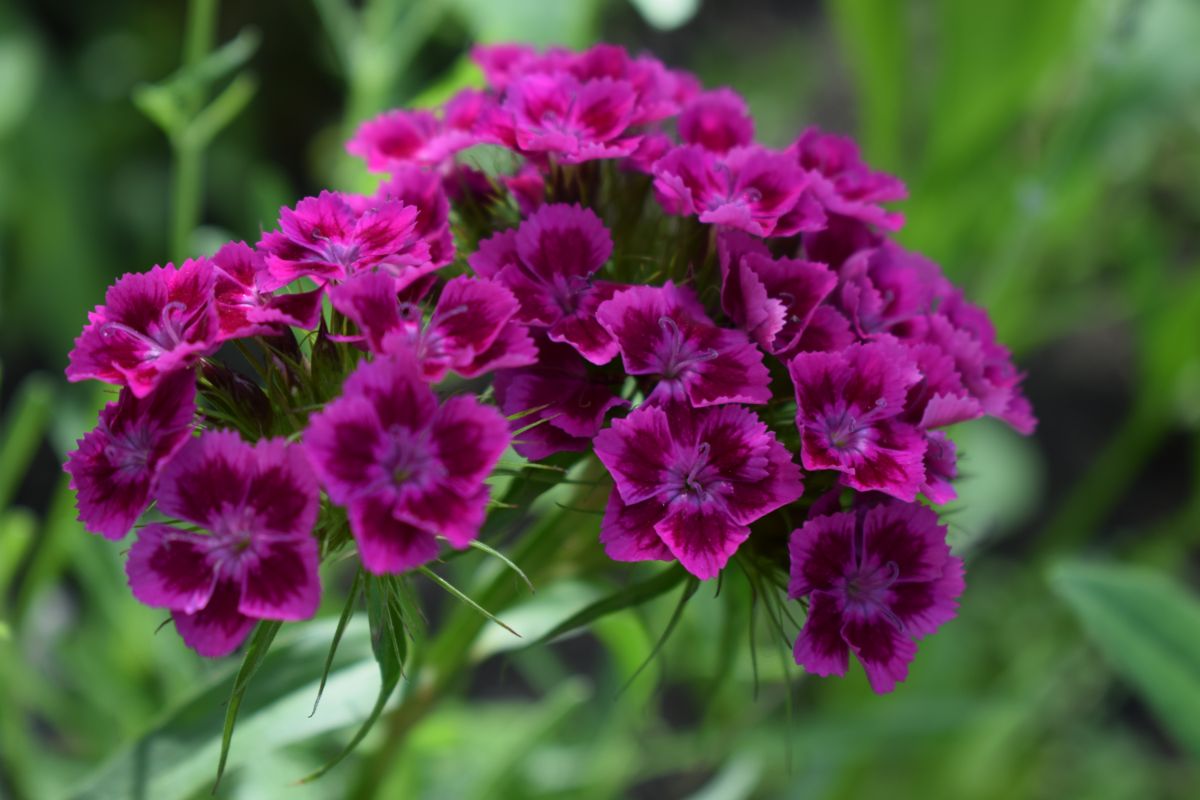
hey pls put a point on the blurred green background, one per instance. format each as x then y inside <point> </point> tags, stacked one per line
<point>1052,151</point>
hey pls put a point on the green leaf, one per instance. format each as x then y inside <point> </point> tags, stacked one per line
<point>260,644</point>
<point>390,645</point>
<point>689,589</point>
<point>1145,625</point>
<point>494,553</point>
<point>22,431</point>
<point>454,590</point>
<point>625,597</point>
<point>343,620</point>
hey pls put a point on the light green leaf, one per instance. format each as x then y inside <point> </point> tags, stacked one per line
<point>1145,625</point>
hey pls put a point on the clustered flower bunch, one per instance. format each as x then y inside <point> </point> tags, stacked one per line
<point>590,255</point>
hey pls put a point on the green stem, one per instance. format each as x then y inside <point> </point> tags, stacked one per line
<point>187,179</point>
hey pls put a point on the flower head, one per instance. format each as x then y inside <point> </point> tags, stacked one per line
<point>405,468</point>
<point>689,483</point>
<point>398,138</point>
<point>151,324</point>
<point>258,559</point>
<point>878,579</point>
<point>114,467</point>
<point>663,331</point>
<point>718,121</point>
<point>848,409</point>
<point>573,120</point>
<point>245,307</point>
<point>843,184</point>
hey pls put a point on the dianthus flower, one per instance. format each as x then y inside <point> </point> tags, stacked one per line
<point>396,138</point>
<point>573,120</point>
<point>258,559</point>
<point>843,184</point>
<point>548,263</point>
<point>114,467</point>
<point>424,191</point>
<point>878,579</point>
<point>718,121</point>
<point>663,332</point>
<point>470,331</point>
<point>689,483</point>
<point>151,324</point>
<point>245,306</point>
<point>405,468</point>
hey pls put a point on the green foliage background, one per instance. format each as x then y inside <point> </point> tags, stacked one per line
<point>1052,151</point>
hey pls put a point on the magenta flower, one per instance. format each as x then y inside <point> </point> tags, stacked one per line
<point>771,299</point>
<point>422,190</point>
<point>887,289</point>
<point>114,467</point>
<point>843,184</point>
<point>848,404</point>
<point>878,580</point>
<point>571,402</point>
<point>718,121</point>
<point>326,240</point>
<point>405,468</point>
<point>750,188</point>
<point>398,138</point>
<point>471,330</point>
<point>548,263</point>
<point>574,121</point>
<point>259,559</point>
<point>151,324</point>
<point>689,483</point>
<point>245,307</point>
<point>663,331</point>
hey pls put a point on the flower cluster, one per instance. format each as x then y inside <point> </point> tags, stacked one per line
<point>727,327</point>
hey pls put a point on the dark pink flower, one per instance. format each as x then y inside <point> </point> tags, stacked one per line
<point>326,239</point>
<point>663,331</point>
<point>878,579</point>
<point>689,483</point>
<point>258,559</point>
<point>406,469</point>
<point>471,330</point>
<point>114,467</point>
<point>398,138</point>
<point>887,289</point>
<point>717,120</point>
<point>749,188</point>
<point>843,184</point>
<point>245,306</point>
<point>571,120</point>
<point>548,263</point>
<point>771,299</point>
<point>848,409</point>
<point>423,190</point>
<point>151,324</point>
<point>564,395</point>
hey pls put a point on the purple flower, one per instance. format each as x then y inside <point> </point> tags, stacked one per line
<point>245,307</point>
<point>114,467</point>
<point>689,483</point>
<point>259,559</point>
<point>548,263</point>
<point>151,324</point>
<point>887,289</point>
<point>405,468</point>
<point>750,188</point>
<point>568,396</point>
<point>325,239</point>
<point>471,330</point>
<point>848,404</point>
<point>663,331</point>
<point>573,120</point>
<point>718,121</point>
<point>398,138</point>
<point>843,184</point>
<point>771,299</point>
<point>878,579</point>
<point>422,190</point>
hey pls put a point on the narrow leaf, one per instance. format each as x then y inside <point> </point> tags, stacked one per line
<point>623,598</point>
<point>689,589</point>
<point>491,551</point>
<point>260,643</point>
<point>454,590</point>
<point>343,620</point>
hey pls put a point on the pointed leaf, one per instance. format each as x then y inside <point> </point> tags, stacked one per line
<point>625,597</point>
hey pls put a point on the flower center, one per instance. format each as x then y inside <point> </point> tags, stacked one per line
<point>408,460</point>
<point>159,338</point>
<point>676,354</point>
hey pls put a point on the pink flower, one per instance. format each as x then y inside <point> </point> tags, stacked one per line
<point>471,330</point>
<point>718,121</point>
<point>564,395</point>
<point>259,559</point>
<point>572,120</point>
<point>406,469</point>
<point>114,467</point>
<point>878,579</point>
<point>326,239</point>
<point>848,411</point>
<point>843,184</point>
<point>246,307</point>
<point>151,324</point>
<point>662,331</point>
<point>548,263</point>
<point>398,138</point>
<point>750,188</point>
<point>424,191</point>
<point>689,483</point>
